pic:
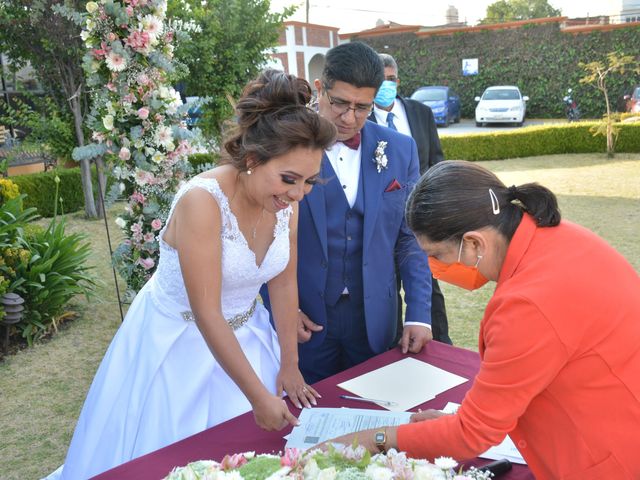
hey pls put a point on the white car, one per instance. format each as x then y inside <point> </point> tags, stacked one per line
<point>501,104</point>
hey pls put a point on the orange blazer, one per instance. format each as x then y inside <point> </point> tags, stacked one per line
<point>560,362</point>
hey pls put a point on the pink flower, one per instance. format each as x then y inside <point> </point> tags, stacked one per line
<point>149,237</point>
<point>125,154</point>
<point>112,37</point>
<point>129,10</point>
<point>143,79</point>
<point>137,197</point>
<point>230,462</point>
<point>143,113</point>
<point>139,41</point>
<point>111,87</point>
<point>147,263</point>
<point>290,458</point>
<point>156,224</point>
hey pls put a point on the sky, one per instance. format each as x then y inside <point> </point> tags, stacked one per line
<point>356,15</point>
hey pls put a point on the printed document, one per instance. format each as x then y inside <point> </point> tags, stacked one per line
<point>318,425</point>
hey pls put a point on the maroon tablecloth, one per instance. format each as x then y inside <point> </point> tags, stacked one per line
<point>241,434</point>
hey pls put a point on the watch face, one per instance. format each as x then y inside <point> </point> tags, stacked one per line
<point>380,437</point>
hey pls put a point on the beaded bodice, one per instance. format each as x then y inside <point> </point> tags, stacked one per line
<point>241,276</point>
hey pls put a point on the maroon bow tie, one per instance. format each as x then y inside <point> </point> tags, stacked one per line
<point>353,142</point>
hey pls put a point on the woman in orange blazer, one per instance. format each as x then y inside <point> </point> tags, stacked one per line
<point>559,341</point>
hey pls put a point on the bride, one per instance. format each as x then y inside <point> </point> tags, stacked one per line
<point>195,348</point>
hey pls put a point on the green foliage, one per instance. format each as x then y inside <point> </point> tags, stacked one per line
<point>230,49</point>
<point>40,189</point>
<point>48,126</point>
<point>203,161</point>
<point>512,10</point>
<point>597,74</point>
<point>575,137</point>
<point>541,59</point>
<point>55,272</point>
<point>13,220</point>
<point>259,468</point>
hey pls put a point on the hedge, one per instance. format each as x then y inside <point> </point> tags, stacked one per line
<point>538,140</point>
<point>41,189</point>
<point>199,159</point>
<point>541,58</point>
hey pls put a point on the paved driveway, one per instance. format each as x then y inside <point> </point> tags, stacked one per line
<point>467,126</point>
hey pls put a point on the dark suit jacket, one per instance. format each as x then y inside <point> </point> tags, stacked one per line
<point>423,131</point>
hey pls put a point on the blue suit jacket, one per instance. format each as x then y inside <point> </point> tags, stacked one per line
<point>385,237</point>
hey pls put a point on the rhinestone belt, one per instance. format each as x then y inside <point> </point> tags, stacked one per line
<point>234,322</point>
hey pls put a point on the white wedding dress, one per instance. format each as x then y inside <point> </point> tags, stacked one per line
<point>158,382</point>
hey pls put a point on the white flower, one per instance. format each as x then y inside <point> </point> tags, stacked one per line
<point>121,222</point>
<point>153,26</point>
<point>327,474</point>
<point>84,35</point>
<point>163,136</point>
<point>110,109</point>
<point>427,471</point>
<point>445,463</point>
<point>92,7</point>
<point>377,472</point>
<point>115,62</point>
<point>121,188</point>
<point>157,157</point>
<point>90,24</point>
<point>379,157</point>
<point>107,121</point>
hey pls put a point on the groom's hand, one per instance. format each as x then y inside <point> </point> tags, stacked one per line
<point>414,337</point>
<point>306,327</point>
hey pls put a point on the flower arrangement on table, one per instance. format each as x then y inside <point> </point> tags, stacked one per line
<point>339,462</point>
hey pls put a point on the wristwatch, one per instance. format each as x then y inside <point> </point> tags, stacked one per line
<point>381,440</point>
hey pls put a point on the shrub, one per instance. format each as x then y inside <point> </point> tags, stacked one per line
<point>203,161</point>
<point>535,141</point>
<point>8,190</point>
<point>40,189</point>
<point>55,272</point>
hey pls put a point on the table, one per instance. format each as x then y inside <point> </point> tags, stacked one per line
<point>241,434</point>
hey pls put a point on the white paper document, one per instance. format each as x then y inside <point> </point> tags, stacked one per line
<point>407,383</point>
<point>506,449</point>
<point>321,424</point>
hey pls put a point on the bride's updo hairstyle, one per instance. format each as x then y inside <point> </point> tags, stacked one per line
<point>273,118</point>
<point>455,197</point>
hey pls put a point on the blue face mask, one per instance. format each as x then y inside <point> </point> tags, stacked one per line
<point>386,93</point>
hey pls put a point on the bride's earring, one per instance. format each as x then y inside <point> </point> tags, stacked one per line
<point>249,172</point>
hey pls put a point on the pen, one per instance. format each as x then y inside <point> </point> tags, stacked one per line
<point>386,403</point>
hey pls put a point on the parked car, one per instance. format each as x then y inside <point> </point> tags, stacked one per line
<point>444,103</point>
<point>633,100</point>
<point>501,104</point>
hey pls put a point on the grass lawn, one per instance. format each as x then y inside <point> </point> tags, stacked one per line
<point>42,388</point>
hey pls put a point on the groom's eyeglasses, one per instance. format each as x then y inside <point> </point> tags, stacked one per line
<point>341,107</point>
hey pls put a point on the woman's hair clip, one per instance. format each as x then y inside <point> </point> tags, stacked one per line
<point>495,205</point>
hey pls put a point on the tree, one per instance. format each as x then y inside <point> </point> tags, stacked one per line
<point>30,31</point>
<point>229,50</point>
<point>512,10</point>
<point>597,74</point>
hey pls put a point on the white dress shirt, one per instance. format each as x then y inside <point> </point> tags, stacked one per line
<point>346,163</point>
<point>399,120</point>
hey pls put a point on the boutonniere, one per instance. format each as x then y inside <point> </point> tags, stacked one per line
<point>379,157</point>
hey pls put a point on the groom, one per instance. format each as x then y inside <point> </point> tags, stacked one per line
<point>352,231</point>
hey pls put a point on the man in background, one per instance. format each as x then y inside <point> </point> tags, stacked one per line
<point>416,120</point>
